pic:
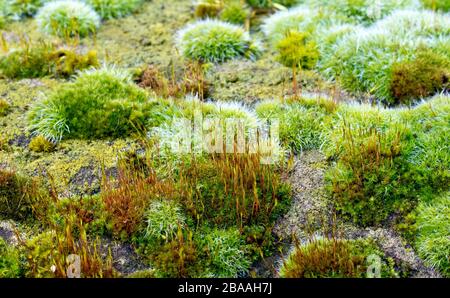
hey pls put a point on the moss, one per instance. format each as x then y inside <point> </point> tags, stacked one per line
<point>99,103</point>
<point>303,123</point>
<point>438,5</point>
<point>163,219</point>
<point>216,41</point>
<point>208,8</point>
<point>40,59</point>
<point>168,262</point>
<point>4,107</point>
<point>149,273</point>
<point>10,263</point>
<point>420,77</point>
<point>235,13</point>
<point>433,224</point>
<point>326,258</point>
<point>297,51</point>
<point>19,196</point>
<point>109,9</point>
<point>269,3</point>
<point>41,144</point>
<point>372,178</point>
<point>221,246</point>
<point>67,19</point>
<point>260,80</point>
<point>17,9</point>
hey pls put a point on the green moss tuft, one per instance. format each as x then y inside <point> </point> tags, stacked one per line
<point>433,226</point>
<point>100,103</point>
<point>420,77</point>
<point>331,258</point>
<point>40,59</point>
<point>67,19</point>
<point>235,13</point>
<point>216,41</point>
<point>10,264</point>
<point>19,196</point>
<point>41,144</point>
<point>112,9</point>
<point>4,107</point>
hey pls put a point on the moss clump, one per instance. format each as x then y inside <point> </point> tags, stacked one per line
<point>420,77</point>
<point>10,265</point>
<point>170,263</point>
<point>302,124</point>
<point>208,8</point>
<point>163,219</point>
<point>236,190</point>
<point>362,61</point>
<point>297,51</point>
<point>433,230</point>
<point>300,19</point>
<point>191,81</point>
<point>227,253</point>
<point>39,59</point>
<point>264,4</point>
<point>18,196</point>
<point>69,61</point>
<point>437,5</point>
<point>41,144</point>
<point>67,19</point>
<point>430,124</point>
<point>359,11</point>
<point>216,41</point>
<point>100,103</point>
<point>112,9</point>
<point>18,9</point>
<point>234,13</point>
<point>4,107</point>
<point>373,177</point>
<point>325,258</point>
<point>49,253</point>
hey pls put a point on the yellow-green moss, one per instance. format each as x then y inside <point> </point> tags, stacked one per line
<point>41,144</point>
<point>4,107</point>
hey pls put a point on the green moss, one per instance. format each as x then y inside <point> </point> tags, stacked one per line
<point>234,13</point>
<point>67,19</point>
<point>89,210</point>
<point>163,219</point>
<point>10,264</point>
<point>362,61</point>
<point>420,77</point>
<point>221,246</point>
<point>23,8</point>
<point>41,144</point>
<point>216,41</point>
<point>302,124</point>
<point>331,258</point>
<point>4,107</point>
<point>40,59</point>
<point>297,51</point>
<point>270,3</point>
<point>372,177</point>
<point>208,8</point>
<point>438,5</point>
<point>109,9</point>
<point>170,263</point>
<point>19,196</point>
<point>100,103</point>
<point>433,225</point>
